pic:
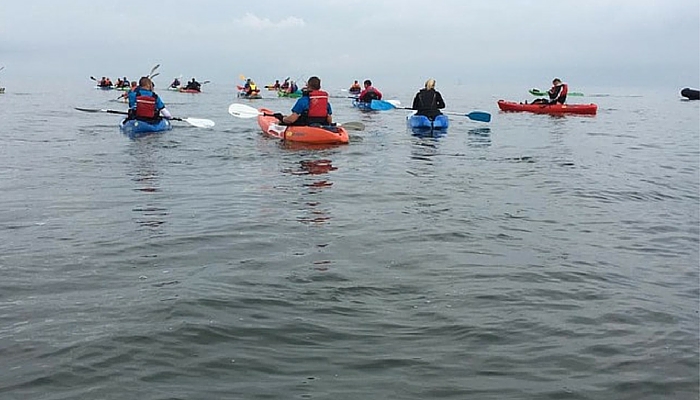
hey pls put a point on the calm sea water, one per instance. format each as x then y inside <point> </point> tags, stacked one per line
<point>534,257</point>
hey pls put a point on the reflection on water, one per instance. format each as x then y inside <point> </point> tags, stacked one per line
<point>314,213</point>
<point>152,214</point>
<point>428,133</point>
<point>479,137</point>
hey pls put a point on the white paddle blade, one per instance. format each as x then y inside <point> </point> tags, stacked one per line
<point>242,111</point>
<point>395,103</point>
<point>200,122</point>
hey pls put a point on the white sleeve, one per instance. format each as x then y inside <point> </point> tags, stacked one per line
<point>164,112</point>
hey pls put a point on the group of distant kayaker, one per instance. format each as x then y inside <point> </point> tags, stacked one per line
<point>192,85</point>
<point>105,82</point>
<point>313,107</point>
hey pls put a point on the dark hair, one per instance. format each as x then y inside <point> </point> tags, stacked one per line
<point>314,83</point>
<point>368,82</point>
<point>144,81</point>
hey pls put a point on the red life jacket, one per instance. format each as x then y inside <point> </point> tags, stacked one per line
<point>146,106</point>
<point>559,93</point>
<point>318,104</point>
<point>564,90</point>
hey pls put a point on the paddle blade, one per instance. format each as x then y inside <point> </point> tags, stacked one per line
<point>479,116</point>
<point>92,110</point>
<point>199,122</point>
<point>243,111</point>
<point>395,103</point>
<point>381,105</point>
<point>155,67</point>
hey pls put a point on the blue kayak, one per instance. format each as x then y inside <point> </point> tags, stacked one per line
<point>135,128</point>
<point>423,123</point>
<point>362,105</point>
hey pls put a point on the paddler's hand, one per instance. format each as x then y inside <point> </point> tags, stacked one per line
<point>279,116</point>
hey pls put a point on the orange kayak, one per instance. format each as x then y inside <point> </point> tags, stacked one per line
<point>301,134</point>
<point>590,109</point>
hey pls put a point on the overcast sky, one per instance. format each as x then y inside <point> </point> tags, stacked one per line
<point>592,42</point>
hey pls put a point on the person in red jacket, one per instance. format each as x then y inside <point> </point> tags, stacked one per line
<point>557,93</point>
<point>370,93</point>
<point>311,108</point>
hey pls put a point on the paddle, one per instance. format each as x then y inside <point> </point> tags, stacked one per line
<point>1,68</point>
<point>155,67</point>
<point>538,93</point>
<point>245,112</point>
<point>382,105</point>
<point>196,122</point>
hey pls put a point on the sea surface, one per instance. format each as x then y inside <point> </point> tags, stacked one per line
<point>532,257</point>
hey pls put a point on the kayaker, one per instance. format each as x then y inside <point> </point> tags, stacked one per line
<point>104,82</point>
<point>369,93</point>
<point>311,108</point>
<point>428,101</point>
<point>355,88</point>
<point>193,85</point>
<point>133,87</point>
<point>145,104</point>
<point>557,93</point>
<point>250,87</point>
<point>292,87</point>
<point>176,83</point>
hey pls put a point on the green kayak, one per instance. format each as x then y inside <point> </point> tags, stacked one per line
<point>538,92</point>
<point>281,93</point>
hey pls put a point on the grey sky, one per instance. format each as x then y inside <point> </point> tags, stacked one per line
<point>593,42</point>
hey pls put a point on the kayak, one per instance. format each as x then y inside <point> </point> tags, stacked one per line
<point>540,93</point>
<point>104,87</point>
<point>135,128</point>
<point>548,108</point>
<point>174,88</point>
<point>691,94</point>
<point>301,134</point>
<point>251,96</point>
<point>282,93</point>
<point>362,105</point>
<point>423,123</point>
<point>122,88</point>
<point>183,90</point>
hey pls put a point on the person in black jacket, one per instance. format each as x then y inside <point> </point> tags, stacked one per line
<point>428,101</point>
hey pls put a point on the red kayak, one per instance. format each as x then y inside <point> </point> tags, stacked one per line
<point>589,109</point>
<point>301,134</point>
<point>183,90</point>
